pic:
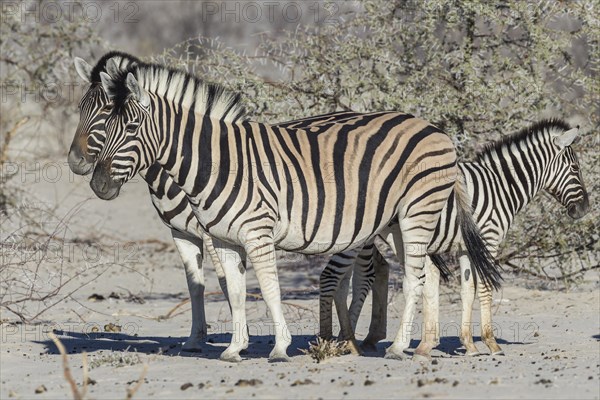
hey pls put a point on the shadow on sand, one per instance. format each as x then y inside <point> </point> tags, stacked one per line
<point>449,346</point>
<point>260,346</point>
<point>77,342</point>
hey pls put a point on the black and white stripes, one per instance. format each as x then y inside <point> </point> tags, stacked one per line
<point>321,191</point>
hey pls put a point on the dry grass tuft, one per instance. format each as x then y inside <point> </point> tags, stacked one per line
<point>324,349</point>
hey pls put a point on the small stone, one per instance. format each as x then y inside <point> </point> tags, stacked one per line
<point>301,383</point>
<point>40,389</point>
<point>248,382</point>
<point>369,382</point>
<point>96,297</point>
<point>186,386</point>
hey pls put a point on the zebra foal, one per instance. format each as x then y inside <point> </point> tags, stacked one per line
<point>505,177</point>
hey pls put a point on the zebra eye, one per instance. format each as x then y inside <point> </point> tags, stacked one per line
<point>575,168</point>
<point>132,127</point>
<point>107,108</point>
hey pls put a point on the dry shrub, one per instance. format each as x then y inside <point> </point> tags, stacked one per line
<point>480,70</point>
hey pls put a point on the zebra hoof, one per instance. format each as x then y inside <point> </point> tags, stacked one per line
<point>193,345</point>
<point>473,354</point>
<point>498,353</point>
<point>279,358</point>
<point>230,357</point>
<point>368,347</point>
<point>395,355</point>
<point>354,347</point>
<point>421,358</point>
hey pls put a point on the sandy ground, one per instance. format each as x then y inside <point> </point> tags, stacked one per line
<point>551,338</point>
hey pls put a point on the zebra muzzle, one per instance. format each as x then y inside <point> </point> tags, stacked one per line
<point>579,209</point>
<point>78,162</point>
<point>102,182</point>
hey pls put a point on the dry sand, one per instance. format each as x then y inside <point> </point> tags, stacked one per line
<point>551,338</point>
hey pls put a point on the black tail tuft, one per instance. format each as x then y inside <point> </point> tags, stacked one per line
<point>441,264</point>
<point>481,259</point>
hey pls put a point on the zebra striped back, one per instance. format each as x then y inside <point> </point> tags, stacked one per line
<point>129,151</point>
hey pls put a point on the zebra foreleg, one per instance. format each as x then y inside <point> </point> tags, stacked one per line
<point>190,249</point>
<point>467,294</point>
<point>431,310</point>
<point>210,250</point>
<point>232,263</point>
<point>262,256</point>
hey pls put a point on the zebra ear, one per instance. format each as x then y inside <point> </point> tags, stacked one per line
<point>111,67</point>
<point>107,84</point>
<point>566,138</point>
<point>84,70</point>
<point>137,91</point>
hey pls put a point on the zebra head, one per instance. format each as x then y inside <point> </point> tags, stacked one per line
<point>564,180</point>
<point>94,108</point>
<point>126,150</point>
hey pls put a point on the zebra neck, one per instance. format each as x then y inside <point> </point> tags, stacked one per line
<point>515,177</point>
<point>205,153</point>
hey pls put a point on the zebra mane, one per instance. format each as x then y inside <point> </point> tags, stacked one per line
<point>182,88</point>
<point>122,59</point>
<point>541,127</point>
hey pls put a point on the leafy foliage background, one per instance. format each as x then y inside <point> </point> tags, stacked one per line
<point>479,70</point>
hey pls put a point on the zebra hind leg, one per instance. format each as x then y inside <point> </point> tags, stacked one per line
<point>467,294</point>
<point>341,305</point>
<point>487,332</point>
<point>431,309</point>
<point>378,325</point>
<point>413,242</point>
<point>333,287</point>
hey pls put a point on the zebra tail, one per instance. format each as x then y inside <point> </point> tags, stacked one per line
<point>481,259</point>
<point>441,264</point>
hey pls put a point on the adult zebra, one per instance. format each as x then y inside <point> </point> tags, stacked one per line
<point>151,121</point>
<point>174,208</point>
<point>169,201</point>
<point>504,178</point>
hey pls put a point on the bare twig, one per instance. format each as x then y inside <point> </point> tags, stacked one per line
<point>66,370</point>
<point>86,377</point>
<point>138,384</point>
<point>8,137</point>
